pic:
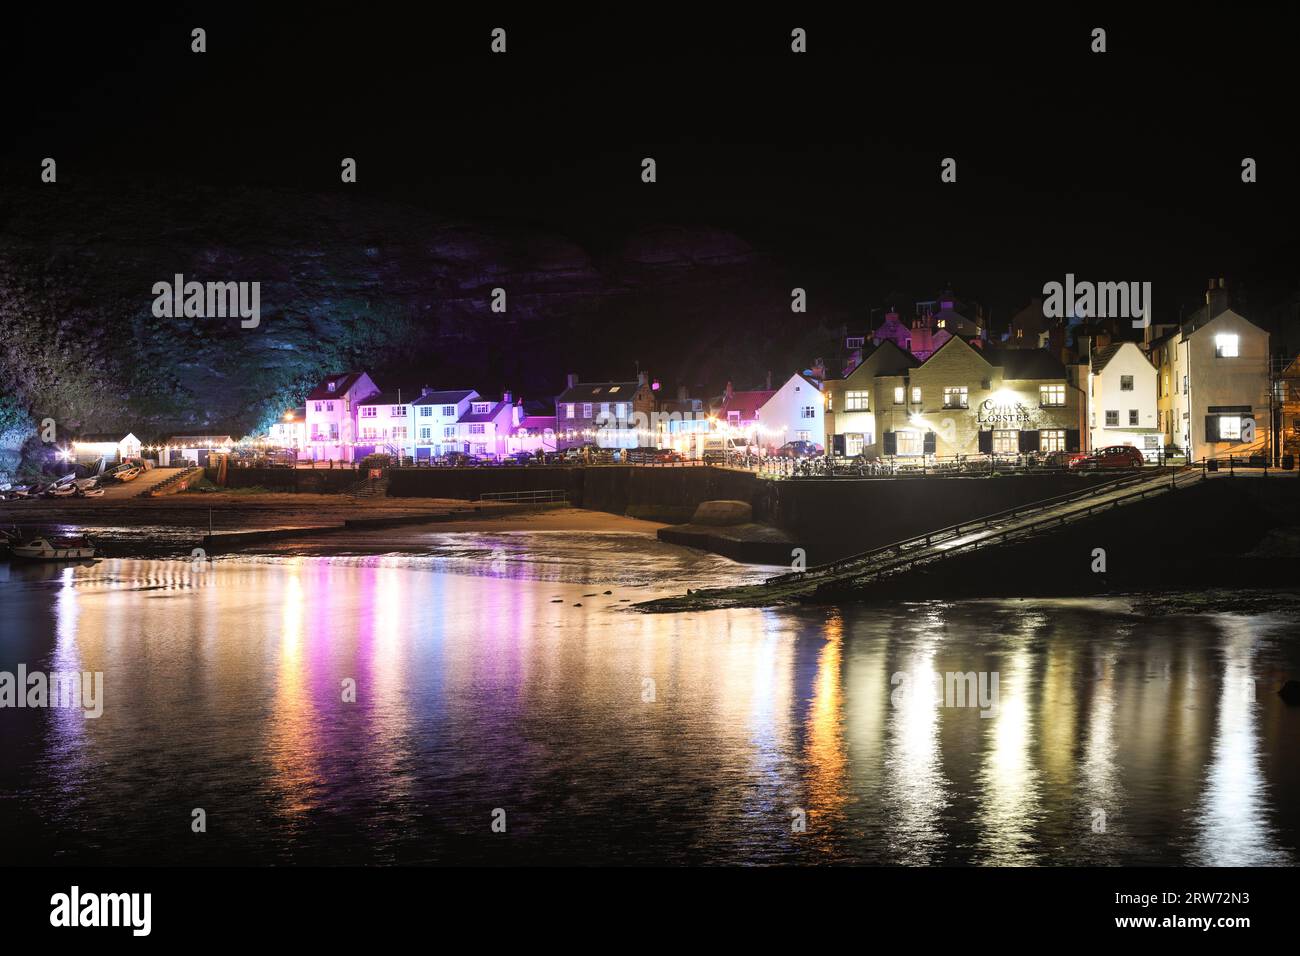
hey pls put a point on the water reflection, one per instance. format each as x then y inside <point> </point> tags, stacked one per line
<point>608,735</point>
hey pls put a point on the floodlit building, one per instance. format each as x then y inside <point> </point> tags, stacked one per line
<point>332,415</point>
<point>769,419</point>
<point>484,430</point>
<point>1213,380</point>
<point>290,431</point>
<point>114,447</point>
<point>1122,403</point>
<point>436,414</point>
<point>385,425</point>
<point>605,414</point>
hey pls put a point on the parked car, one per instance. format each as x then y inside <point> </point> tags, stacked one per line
<point>458,459</point>
<point>799,449</point>
<point>1109,458</point>
<point>1063,459</point>
<point>519,458</point>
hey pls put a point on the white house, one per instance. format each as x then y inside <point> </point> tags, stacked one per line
<point>1214,382</point>
<point>331,415</point>
<point>436,414</point>
<point>533,433</point>
<point>1122,407</point>
<point>114,447</point>
<point>484,431</point>
<point>770,419</point>
<point>385,425</point>
<point>289,431</point>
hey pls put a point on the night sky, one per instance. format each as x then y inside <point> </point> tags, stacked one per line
<point>1122,166</point>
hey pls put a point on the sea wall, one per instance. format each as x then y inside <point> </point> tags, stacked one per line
<point>325,481</point>
<point>830,518</point>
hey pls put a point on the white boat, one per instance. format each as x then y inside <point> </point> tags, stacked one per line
<point>91,492</point>
<point>84,483</point>
<point>127,474</point>
<point>43,549</point>
<point>61,491</point>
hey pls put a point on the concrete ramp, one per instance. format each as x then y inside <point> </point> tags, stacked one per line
<point>841,578</point>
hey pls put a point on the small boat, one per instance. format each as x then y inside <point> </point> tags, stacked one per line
<point>127,474</point>
<point>61,491</point>
<point>91,492</point>
<point>45,549</point>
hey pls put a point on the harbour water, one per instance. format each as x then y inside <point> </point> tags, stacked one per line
<point>496,682</point>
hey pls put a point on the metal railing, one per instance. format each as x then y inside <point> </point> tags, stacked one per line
<point>975,524</point>
<point>1008,534</point>
<point>546,496</point>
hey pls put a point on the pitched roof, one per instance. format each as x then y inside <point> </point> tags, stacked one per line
<point>1202,317</point>
<point>1102,356</point>
<point>599,391</point>
<point>746,403</point>
<point>537,421</point>
<point>102,438</point>
<point>444,398</point>
<point>384,398</point>
<point>342,382</point>
<point>1025,363</point>
<point>472,416</point>
<point>199,441</point>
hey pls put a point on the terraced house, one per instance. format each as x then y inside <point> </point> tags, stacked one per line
<point>962,400</point>
<point>606,414</point>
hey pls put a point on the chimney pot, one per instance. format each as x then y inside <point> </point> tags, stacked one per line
<point>571,380</point>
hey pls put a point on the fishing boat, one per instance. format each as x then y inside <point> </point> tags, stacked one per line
<point>66,490</point>
<point>46,549</point>
<point>129,473</point>
<point>91,492</point>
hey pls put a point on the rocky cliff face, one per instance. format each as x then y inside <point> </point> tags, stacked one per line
<point>345,283</point>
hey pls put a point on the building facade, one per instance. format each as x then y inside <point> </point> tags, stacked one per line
<point>1122,400</point>
<point>434,417</point>
<point>605,414</point>
<point>331,415</point>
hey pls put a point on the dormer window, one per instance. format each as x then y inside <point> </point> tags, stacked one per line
<point>481,408</point>
<point>330,386</point>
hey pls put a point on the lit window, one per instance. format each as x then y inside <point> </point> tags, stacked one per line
<point>426,411</point>
<point>369,411</point>
<point>856,401</point>
<point>1006,441</point>
<point>613,388</point>
<point>477,429</point>
<point>1051,440</point>
<point>909,442</point>
<point>1225,346</point>
<point>955,397</point>
<point>482,408</point>
<point>398,411</point>
<point>1051,395</point>
<point>916,394</point>
<point>898,395</point>
<point>1230,427</point>
<point>808,412</point>
<point>448,411</point>
<point>569,410</point>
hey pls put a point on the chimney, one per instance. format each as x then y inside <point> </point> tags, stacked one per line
<point>1216,297</point>
<point>570,380</point>
<point>769,380</point>
<point>425,390</point>
<point>642,378</point>
<point>507,398</point>
<point>728,391</point>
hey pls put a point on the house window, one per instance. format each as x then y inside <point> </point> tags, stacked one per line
<point>856,401</point>
<point>1132,416</point>
<point>909,441</point>
<point>569,410</point>
<point>1006,441</point>
<point>449,431</point>
<point>586,409</point>
<point>1051,440</point>
<point>1051,395</point>
<point>329,406</point>
<point>397,411</point>
<point>478,429</point>
<point>1112,418</point>
<point>954,397</point>
<point>481,408</point>
<point>318,407</point>
<point>426,434</point>
<point>330,386</point>
<point>733,418</point>
<point>1126,383</point>
<point>614,388</point>
<point>448,411</point>
<point>1225,346</point>
<point>853,444</point>
<point>808,412</point>
<point>916,394</point>
<point>369,411</point>
<point>369,432</point>
<point>480,449</point>
<point>426,411</point>
<point>853,342</point>
<point>1230,427</point>
<point>898,395</point>
<point>399,431</point>
<point>1184,383</point>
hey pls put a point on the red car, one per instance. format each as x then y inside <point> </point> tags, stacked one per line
<point>1112,457</point>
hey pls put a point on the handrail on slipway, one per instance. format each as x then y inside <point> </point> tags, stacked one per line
<point>930,537</point>
<point>529,497</point>
<point>1009,533</point>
